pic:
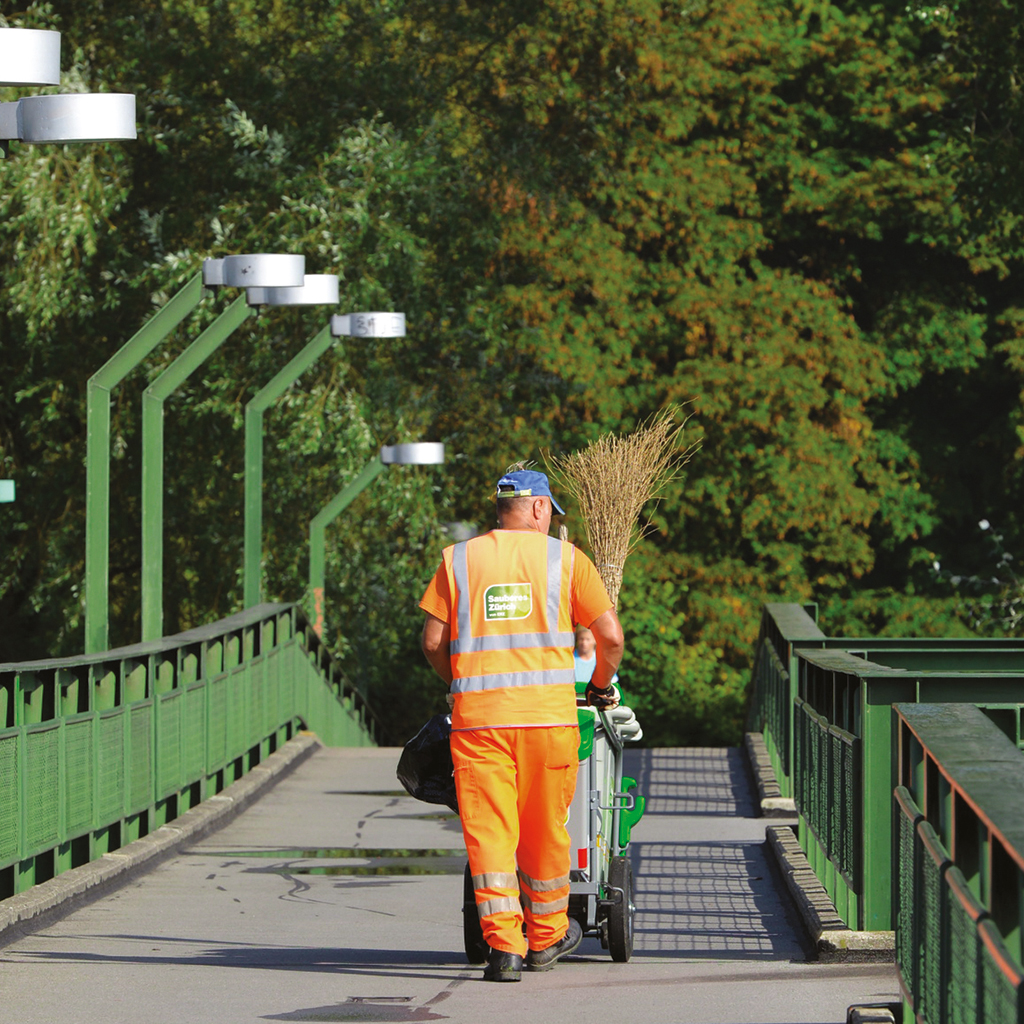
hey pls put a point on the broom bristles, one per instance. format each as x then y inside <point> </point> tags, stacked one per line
<point>613,478</point>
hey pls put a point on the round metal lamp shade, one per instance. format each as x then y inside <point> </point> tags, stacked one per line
<point>77,117</point>
<point>262,270</point>
<point>29,56</point>
<point>415,453</point>
<point>368,325</point>
<point>316,290</point>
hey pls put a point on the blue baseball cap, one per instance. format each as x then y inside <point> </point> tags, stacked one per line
<point>527,483</point>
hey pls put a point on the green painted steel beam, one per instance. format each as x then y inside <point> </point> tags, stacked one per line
<point>253,553</point>
<point>317,531</point>
<point>153,457</point>
<point>97,491</point>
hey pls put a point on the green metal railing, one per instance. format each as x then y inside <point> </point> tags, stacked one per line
<point>824,706</point>
<point>959,810</point>
<point>783,628</point>
<point>99,750</point>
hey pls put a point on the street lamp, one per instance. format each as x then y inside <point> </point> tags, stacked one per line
<point>269,280</point>
<point>234,271</point>
<point>32,57</point>
<point>417,453</point>
<point>29,56</point>
<point>6,491</point>
<point>350,325</point>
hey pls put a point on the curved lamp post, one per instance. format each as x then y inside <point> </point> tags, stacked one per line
<point>418,453</point>
<point>269,279</point>
<point>351,325</point>
<point>236,271</point>
<point>32,57</point>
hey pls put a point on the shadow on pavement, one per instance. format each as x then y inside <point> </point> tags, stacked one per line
<point>693,781</point>
<point>391,963</point>
<point>711,901</point>
<point>702,897</point>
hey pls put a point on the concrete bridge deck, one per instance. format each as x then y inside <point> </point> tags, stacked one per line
<point>271,919</point>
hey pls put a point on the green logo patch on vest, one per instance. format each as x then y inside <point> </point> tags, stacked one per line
<point>507,601</point>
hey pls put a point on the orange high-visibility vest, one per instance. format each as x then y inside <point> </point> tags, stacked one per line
<point>511,630</point>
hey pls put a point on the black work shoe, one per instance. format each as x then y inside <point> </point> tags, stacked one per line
<point>502,966</point>
<point>545,959</point>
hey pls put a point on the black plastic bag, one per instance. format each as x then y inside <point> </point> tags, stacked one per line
<point>425,767</point>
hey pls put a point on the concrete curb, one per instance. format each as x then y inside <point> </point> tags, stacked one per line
<point>876,1014</point>
<point>832,940</point>
<point>772,803</point>
<point>47,901</point>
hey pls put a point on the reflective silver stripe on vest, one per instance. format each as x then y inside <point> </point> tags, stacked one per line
<point>548,677</point>
<point>555,583</point>
<point>510,642</point>
<point>496,880</point>
<point>465,642</point>
<point>460,569</point>
<point>502,905</point>
<point>544,885</point>
<point>539,909</point>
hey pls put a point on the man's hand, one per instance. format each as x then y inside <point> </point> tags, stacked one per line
<point>603,699</point>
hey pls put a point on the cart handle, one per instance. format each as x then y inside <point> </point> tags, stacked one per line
<point>629,797</point>
<point>609,728</point>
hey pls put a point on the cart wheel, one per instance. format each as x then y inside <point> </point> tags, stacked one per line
<point>472,933</point>
<point>620,913</point>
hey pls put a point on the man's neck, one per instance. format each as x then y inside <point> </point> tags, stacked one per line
<point>520,525</point>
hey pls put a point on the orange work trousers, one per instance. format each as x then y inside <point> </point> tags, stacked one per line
<point>514,788</point>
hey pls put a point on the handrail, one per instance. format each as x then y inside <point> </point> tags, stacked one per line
<point>960,865</point>
<point>99,749</point>
<point>824,705</point>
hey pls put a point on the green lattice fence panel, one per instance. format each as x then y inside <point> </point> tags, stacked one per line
<point>79,776</point>
<point>834,745</point>
<point>1001,979</point>
<point>258,727</point>
<point>193,732</point>
<point>42,787</point>
<point>140,789</point>
<point>964,912</point>
<point>110,750</point>
<point>10,798</point>
<point>236,711</point>
<point>800,757</point>
<point>217,749</point>
<point>907,868</point>
<point>933,931</point>
<point>847,796</point>
<point>170,747</point>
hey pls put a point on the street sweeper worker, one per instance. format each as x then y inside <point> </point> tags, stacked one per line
<point>500,614</point>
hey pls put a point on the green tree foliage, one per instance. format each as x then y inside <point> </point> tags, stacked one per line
<point>803,218</point>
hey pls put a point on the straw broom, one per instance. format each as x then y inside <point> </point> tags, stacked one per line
<point>613,478</point>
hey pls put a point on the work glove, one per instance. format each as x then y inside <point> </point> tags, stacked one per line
<point>603,700</point>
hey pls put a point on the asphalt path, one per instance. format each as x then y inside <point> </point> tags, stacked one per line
<point>335,897</point>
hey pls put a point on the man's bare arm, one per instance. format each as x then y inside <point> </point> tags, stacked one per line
<point>435,639</point>
<point>610,645</point>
